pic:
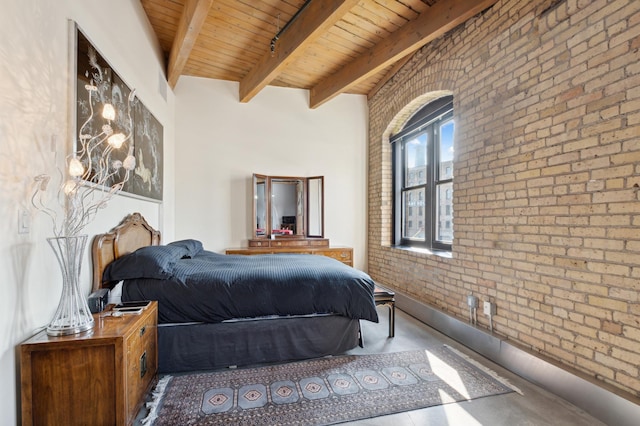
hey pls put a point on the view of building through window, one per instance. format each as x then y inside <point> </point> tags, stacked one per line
<point>423,155</point>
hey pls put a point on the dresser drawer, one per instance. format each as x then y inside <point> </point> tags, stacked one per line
<point>142,360</point>
<point>343,254</point>
<point>289,242</point>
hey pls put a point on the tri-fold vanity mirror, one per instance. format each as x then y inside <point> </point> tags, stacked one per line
<point>289,210</point>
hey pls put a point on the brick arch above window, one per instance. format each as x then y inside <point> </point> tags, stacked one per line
<point>405,114</point>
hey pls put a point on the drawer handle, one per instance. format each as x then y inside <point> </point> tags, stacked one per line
<point>143,330</point>
<point>343,254</point>
<point>143,364</point>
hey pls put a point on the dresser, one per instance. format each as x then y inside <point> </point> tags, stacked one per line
<point>343,254</point>
<point>96,378</point>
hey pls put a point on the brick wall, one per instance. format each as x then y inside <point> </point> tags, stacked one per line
<point>547,178</point>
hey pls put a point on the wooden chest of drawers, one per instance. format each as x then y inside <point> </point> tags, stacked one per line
<point>289,242</point>
<point>95,378</point>
<point>343,254</point>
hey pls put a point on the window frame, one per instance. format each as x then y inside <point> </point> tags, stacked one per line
<point>428,119</point>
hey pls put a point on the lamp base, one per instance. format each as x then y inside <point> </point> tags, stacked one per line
<point>73,315</point>
<point>62,330</point>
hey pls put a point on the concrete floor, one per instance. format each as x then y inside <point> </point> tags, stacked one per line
<point>535,407</point>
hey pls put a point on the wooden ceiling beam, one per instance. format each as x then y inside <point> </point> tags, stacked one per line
<point>310,25</point>
<point>434,22</point>
<point>191,22</point>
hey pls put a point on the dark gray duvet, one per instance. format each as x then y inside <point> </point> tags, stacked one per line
<point>195,285</point>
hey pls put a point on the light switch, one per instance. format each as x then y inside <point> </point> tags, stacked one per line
<point>23,222</point>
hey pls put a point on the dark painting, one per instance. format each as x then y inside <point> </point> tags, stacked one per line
<point>146,131</point>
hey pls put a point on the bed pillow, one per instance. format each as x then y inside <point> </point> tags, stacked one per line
<point>193,247</point>
<point>147,262</point>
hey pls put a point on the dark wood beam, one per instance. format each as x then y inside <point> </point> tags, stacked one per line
<point>310,25</point>
<point>191,22</point>
<point>434,22</point>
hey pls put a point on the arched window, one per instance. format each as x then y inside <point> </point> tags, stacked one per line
<point>423,177</point>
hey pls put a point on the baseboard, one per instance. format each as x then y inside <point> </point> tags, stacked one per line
<point>606,405</point>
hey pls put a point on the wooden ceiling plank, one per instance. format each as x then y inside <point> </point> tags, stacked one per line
<point>162,8</point>
<point>436,21</point>
<point>258,20</point>
<point>308,27</point>
<point>215,48</point>
<point>341,41</point>
<point>358,41</point>
<point>225,31</point>
<point>191,22</point>
<point>417,5</point>
<point>268,10</point>
<point>360,25</point>
<point>399,9</point>
<point>374,9</point>
<point>200,68</point>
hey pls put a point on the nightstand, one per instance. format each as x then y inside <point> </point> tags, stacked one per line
<point>96,378</point>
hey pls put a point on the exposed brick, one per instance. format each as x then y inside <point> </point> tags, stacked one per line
<point>608,303</point>
<point>546,187</point>
<point>612,327</point>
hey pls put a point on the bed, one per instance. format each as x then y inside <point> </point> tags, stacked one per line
<point>218,310</point>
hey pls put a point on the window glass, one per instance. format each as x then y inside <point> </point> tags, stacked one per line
<point>446,150</point>
<point>444,217</point>
<point>416,160</point>
<point>412,225</point>
<point>423,178</point>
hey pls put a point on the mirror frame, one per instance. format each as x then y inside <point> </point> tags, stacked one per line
<point>315,203</point>
<point>260,179</point>
<point>318,202</point>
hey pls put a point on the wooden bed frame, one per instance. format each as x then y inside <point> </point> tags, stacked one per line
<point>206,346</point>
<point>131,234</point>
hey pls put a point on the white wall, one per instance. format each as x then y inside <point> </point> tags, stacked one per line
<point>222,142</point>
<point>34,79</point>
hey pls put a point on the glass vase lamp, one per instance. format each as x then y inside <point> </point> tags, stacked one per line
<point>94,173</point>
<point>73,314</point>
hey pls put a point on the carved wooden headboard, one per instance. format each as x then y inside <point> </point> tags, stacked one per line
<point>131,234</point>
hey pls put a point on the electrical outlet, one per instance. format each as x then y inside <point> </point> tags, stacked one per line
<point>472,301</point>
<point>489,308</point>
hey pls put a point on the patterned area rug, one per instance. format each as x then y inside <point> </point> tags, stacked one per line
<point>323,391</point>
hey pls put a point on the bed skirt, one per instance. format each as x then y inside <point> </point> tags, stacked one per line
<point>193,347</point>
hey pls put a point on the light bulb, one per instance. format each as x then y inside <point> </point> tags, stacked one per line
<point>75,167</point>
<point>108,112</point>
<point>116,140</point>
<point>69,187</point>
<point>129,163</point>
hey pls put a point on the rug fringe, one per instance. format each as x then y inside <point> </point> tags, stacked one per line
<point>487,370</point>
<point>156,397</point>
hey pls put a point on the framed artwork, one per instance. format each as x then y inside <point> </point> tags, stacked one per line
<point>146,131</point>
